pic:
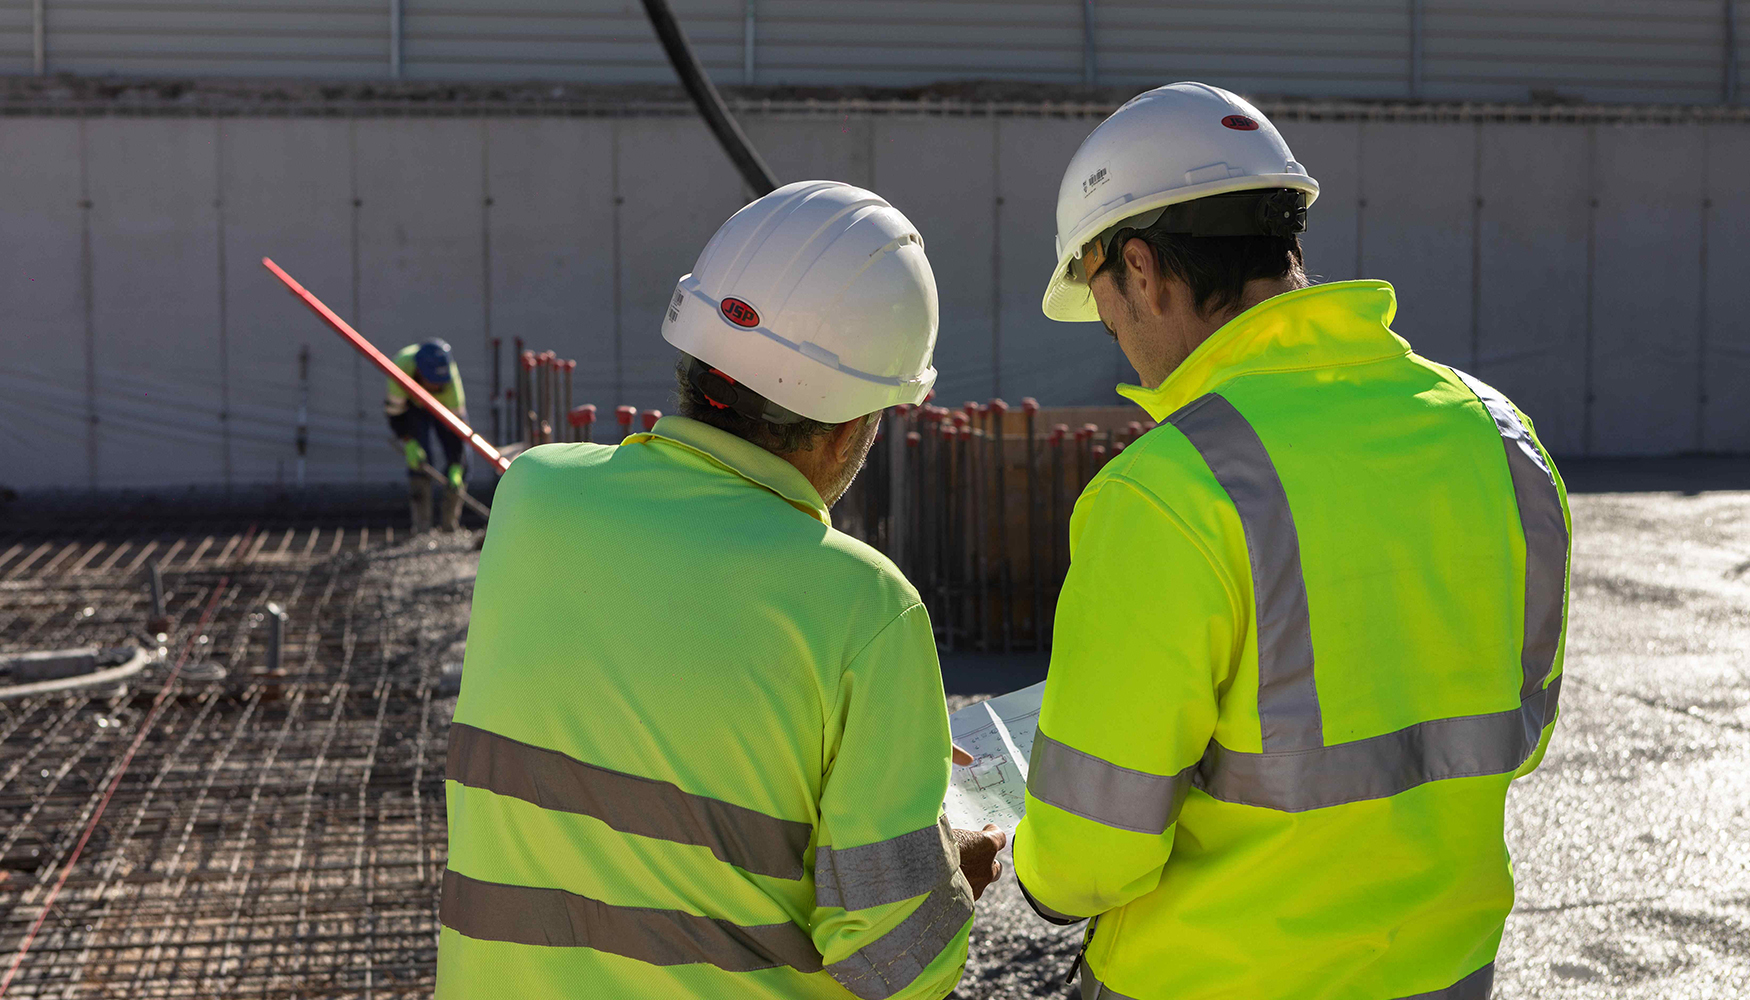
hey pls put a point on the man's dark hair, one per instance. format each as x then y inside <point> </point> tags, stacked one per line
<point>780,439</point>
<point>1216,268</point>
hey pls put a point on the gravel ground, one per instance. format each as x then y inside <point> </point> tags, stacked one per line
<point>1632,842</point>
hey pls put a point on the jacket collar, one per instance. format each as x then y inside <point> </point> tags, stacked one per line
<point>743,458</point>
<point>1325,326</point>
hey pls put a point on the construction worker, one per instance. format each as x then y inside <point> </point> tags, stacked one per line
<point>1313,622</point>
<point>430,365</point>
<point>701,745</point>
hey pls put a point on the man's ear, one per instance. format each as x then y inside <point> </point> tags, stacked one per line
<point>843,436</point>
<point>1145,276</point>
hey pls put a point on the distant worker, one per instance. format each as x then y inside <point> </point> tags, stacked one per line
<point>1313,622</point>
<point>431,366</point>
<point>701,746</point>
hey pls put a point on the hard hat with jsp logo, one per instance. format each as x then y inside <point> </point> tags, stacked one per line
<point>1168,146</point>
<point>817,296</point>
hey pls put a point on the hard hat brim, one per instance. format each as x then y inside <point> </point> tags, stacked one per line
<point>798,377</point>
<point>1069,301</point>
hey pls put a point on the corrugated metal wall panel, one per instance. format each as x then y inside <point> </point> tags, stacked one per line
<point>16,41</point>
<point>1355,49</point>
<point>1652,51</point>
<point>1620,50</point>
<point>319,38</point>
<point>551,39</point>
<point>901,43</point>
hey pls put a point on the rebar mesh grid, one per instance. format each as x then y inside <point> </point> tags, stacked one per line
<point>278,833</point>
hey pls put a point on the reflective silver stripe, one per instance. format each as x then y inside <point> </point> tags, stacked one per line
<point>1093,989</point>
<point>1475,986</point>
<point>891,962</point>
<point>1288,700</point>
<point>1380,766</point>
<point>1546,536</point>
<point>1095,789</point>
<point>554,918</point>
<point>750,840</point>
<point>887,871</point>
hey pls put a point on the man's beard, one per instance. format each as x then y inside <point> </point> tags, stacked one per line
<point>841,480</point>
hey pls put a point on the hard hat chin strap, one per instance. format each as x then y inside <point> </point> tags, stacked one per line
<point>726,393</point>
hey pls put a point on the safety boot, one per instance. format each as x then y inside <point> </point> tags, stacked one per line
<point>419,501</point>
<point>452,512</point>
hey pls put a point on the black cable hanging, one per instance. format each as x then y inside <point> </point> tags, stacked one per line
<point>754,171</point>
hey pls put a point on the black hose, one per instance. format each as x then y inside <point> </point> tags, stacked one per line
<point>729,135</point>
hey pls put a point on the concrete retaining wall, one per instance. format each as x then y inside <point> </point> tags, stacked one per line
<point>1592,271</point>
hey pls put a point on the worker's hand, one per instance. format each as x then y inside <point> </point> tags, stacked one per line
<point>961,757</point>
<point>456,476</point>
<point>978,855</point>
<point>415,454</point>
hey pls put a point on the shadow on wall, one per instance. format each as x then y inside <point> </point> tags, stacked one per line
<point>1687,474</point>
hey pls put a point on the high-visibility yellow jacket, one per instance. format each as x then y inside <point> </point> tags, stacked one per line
<point>1312,630</point>
<point>701,745</point>
<point>395,399</point>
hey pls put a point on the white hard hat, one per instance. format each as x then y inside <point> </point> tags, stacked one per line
<point>1169,145</point>
<point>819,298</point>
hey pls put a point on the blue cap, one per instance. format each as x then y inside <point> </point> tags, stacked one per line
<point>432,362</point>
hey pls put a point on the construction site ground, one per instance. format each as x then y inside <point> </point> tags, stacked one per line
<point>282,833</point>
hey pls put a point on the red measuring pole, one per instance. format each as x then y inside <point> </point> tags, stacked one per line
<point>376,357</point>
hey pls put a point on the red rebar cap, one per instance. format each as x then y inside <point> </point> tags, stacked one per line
<point>1099,451</point>
<point>1029,404</point>
<point>1135,428</point>
<point>625,414</point>
<point>571,365</point>
<point>903,409</point>
<point>528,359</point>
<point>932,395</point>
<point>999,406</point>
<point>1057,433</point>
<point>1060,429</point>
<point>969,407</point>
<point>581,415</point>
<point>961,419</point>
<point>651,417</point>
<point>912,438</point>
<point>1091,428</point>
